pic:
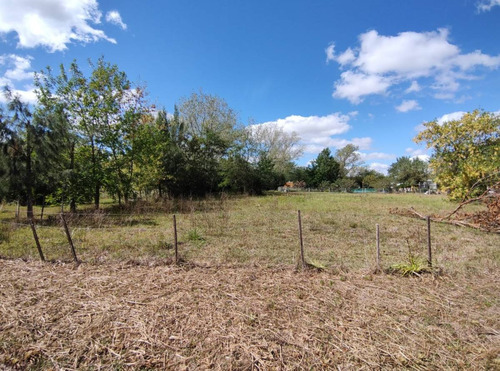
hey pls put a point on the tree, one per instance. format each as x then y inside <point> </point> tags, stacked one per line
<point>272,142</point>
<point>466,153</point>
<point>101,112</point>
<point>325,169</point>
<point>408,172</point>
<point>26,151</point>
<point>349,160</point>
<point>374,179</point>
<point>212,130</point>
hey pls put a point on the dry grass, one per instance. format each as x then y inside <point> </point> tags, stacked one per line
<point>238,303</point>
<point>120,316</point>
<point>339,233</point>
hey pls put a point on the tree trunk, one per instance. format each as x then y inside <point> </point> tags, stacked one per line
<point>72,206</point>
<point>29,183</point>
<point>97,186</point>
<point>72,201</point>
<point>97,193</point>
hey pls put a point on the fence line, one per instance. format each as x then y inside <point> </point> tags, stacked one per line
<point>77,228</point>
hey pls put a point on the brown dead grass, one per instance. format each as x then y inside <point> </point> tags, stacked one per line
<point>123,316</point>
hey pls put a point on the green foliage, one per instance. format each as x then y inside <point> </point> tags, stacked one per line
<point>466,157</point>
<point>99,116</point>
<point>409,172</point>
<point>26,168</point>
<point>325,169</point>
<point>349,160</point>
<point>95,132</point>
<point>271,142</point>
<point>345,184</point>
<point>414,266</point>
<point>194,235</point>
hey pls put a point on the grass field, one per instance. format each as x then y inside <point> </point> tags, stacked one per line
<point>238,302</point>
<point>338,229</point>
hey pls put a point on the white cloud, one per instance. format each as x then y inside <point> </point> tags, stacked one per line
<point>377,166</point>
<point>425,158</point>
<point>353,86</point>
<point>408,105</point>
<point>319,132</point>
<point>414,87</point>
<point>330,53</point>
<point>486,5</point>
<point>377,156</point>
<point>115,18</point>
<point>381,62</point>
<point>313,128</point>
<point>346,57</point>
<point>450,117</point>
<point>51,23</point>
<point>317,146</point>
<point>441,120</point>
<point>17,70</point>
<point>421,154</point>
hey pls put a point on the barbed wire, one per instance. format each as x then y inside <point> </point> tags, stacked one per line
<point>39,226</point>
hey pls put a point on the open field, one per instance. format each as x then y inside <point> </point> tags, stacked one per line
<point>339,233</point>
<point>123,316</point>
<point>238,302</point>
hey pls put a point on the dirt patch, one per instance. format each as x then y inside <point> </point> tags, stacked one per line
<point>123,316</point>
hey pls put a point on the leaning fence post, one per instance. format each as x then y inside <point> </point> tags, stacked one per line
<point>378,248</point>
<point>37,241</point>
<point>175,241</point>
<point>429,248</point>
<point>302,258</point>
<point>70,240</point>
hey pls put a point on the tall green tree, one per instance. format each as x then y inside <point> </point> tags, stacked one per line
<point>349,160</point>
<point>102,112</point>
<point>212,129</point>
<point>325,169</point>
<point>408,172</point>
<point>26,151</point>
<point>466,153</point>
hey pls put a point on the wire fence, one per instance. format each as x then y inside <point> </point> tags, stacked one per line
<point>314,239</point>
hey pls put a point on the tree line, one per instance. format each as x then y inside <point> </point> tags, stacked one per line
<point>95,133</point>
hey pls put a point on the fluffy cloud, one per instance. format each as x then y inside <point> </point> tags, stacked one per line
<point>414,87</point>
<point>115,18</point>
<point>354,86</point>
<point>450,117</point>
<point>445,118</point>
<point>381,62</point>
<point>377,166</point>
<point>311,128</point>
<point>17,70</point>
<point>318,132</point>
<point>377,156</point>
<point>417,153</point>
<point>486,5</point>
<point>408,105</point>
<point>330,53</point>
<point>51,23</point>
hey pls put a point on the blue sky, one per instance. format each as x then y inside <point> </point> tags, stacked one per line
<point>366,72</point>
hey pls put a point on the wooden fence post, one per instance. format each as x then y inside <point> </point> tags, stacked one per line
<point>175,242</point>
<point>17,210</point>
<point>429,247</point>
<point>70,240</point>
<point>37,241</point>
<point>302,257</point>
<point>378,248</point>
